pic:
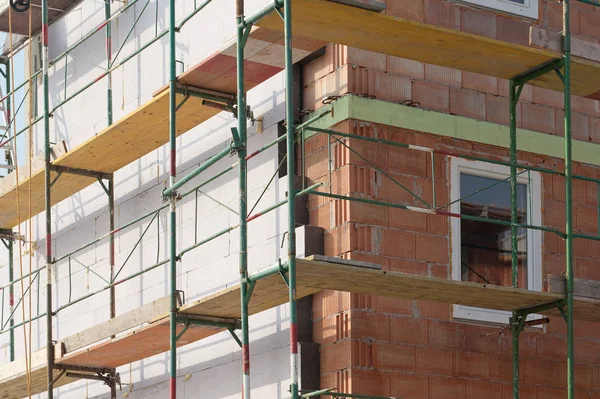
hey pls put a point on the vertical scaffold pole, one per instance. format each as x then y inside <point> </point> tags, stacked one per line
<point>111,244</point>
<point>109,106</point>
<point>568,199</point>
<point>47,192</point>
<point>243,187</point>
<point>11,298</point>
<point>173,203</point>
<point>513,100</point>
<point>289,123</point>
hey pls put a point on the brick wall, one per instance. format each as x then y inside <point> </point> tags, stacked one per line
<point>413,349</point>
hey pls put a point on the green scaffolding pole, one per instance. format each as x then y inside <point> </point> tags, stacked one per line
<point>289,125</point>
<point>11,298</point>
<point>569,198</point>
<point>245,292</point>
<point>48,203</point>
<point>172,203</point>
<point>513,100</point>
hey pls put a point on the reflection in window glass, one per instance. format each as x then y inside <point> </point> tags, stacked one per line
<point>517,1</point>
<point>486,247</point>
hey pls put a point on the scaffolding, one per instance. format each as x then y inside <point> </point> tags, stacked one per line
<point>185,105</point>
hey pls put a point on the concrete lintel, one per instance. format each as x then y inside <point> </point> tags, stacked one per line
<point>411,118</point>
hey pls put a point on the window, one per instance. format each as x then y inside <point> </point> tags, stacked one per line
<point>525,8</point>
<point>482,250</point>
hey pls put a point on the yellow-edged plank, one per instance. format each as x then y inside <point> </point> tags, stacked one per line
<point>132,137</point>
<point>368,30</point>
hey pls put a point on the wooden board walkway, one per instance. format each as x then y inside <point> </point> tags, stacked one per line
<point>146,128</point>
<point>368,30</point>
<point>312,276</point>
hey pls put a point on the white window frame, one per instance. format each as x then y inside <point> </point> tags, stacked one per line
<point>534,237</point>
<point>528,10</point>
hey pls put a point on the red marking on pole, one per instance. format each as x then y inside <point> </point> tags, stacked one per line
<point>102,26</point>
<point>11,299</point>
<point>173,388</point>
<point>246,359</point>
<point>255,153</point>
<point>253,216</point>
<point>173,163</point>
<point>49,247</point>
<point>293,338</point>
<point>444,213</point>
<point>45,34</point>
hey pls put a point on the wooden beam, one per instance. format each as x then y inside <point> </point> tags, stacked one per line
<point>584,288</point>
<point>367,30</point>
<point>144,314</point>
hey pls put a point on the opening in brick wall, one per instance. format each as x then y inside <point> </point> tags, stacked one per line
<point>481,250</point>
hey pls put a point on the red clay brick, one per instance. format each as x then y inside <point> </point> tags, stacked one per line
<point>501,368</point>
<point>434,310</point>
<point>512,30</point>
<point>329,302</point>
<point>408,330</point>
<point>540,372</point>
<point>405,67</point>
<point>586,351</point>
<point>585,105</point>
<point>331,329</point>
<point>364,58</point>
<point>583,377</point>
<point>478,82</point>
<point>397,243</point>
<point>336,356</point>
<point>442,13</point>
<point>527,344</point>
<point>389,87</point>
<point>477,389</point>
<point>407,220</point>
<point>497,110</point>
<point>586,219</point>
<point>369,325</point>
<point>580,125</point>
<point>407,161</point>
<point>470,365</point>
<point>447,387</point>
<point>409,9</point>
<point>393,357</point>
<point>551,347</point>
<point>414,386</point>
<point>370,382</point>
<point>431,96</point>
<point>467,103</point>
<point>443,75</point>
<point>595,130</point>
<point>390,191</point>
<point>432,248</point>
<point>483,339</point>
<point>554,17</point>
<point>589,24</point>
<point>368,214</point>
<point>447,335</point>
<point>383,304</point>
<point>419,268</point>
<point>538,118</point>
<point>478,22</point>
<point>431,360</point>
<point>548,97</point>
<point>437,224</point>
<point>550,393</point>
<point>587,268</point>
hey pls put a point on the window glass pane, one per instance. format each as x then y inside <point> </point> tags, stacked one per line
<point>486,247</point>
<point>517,1</point>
